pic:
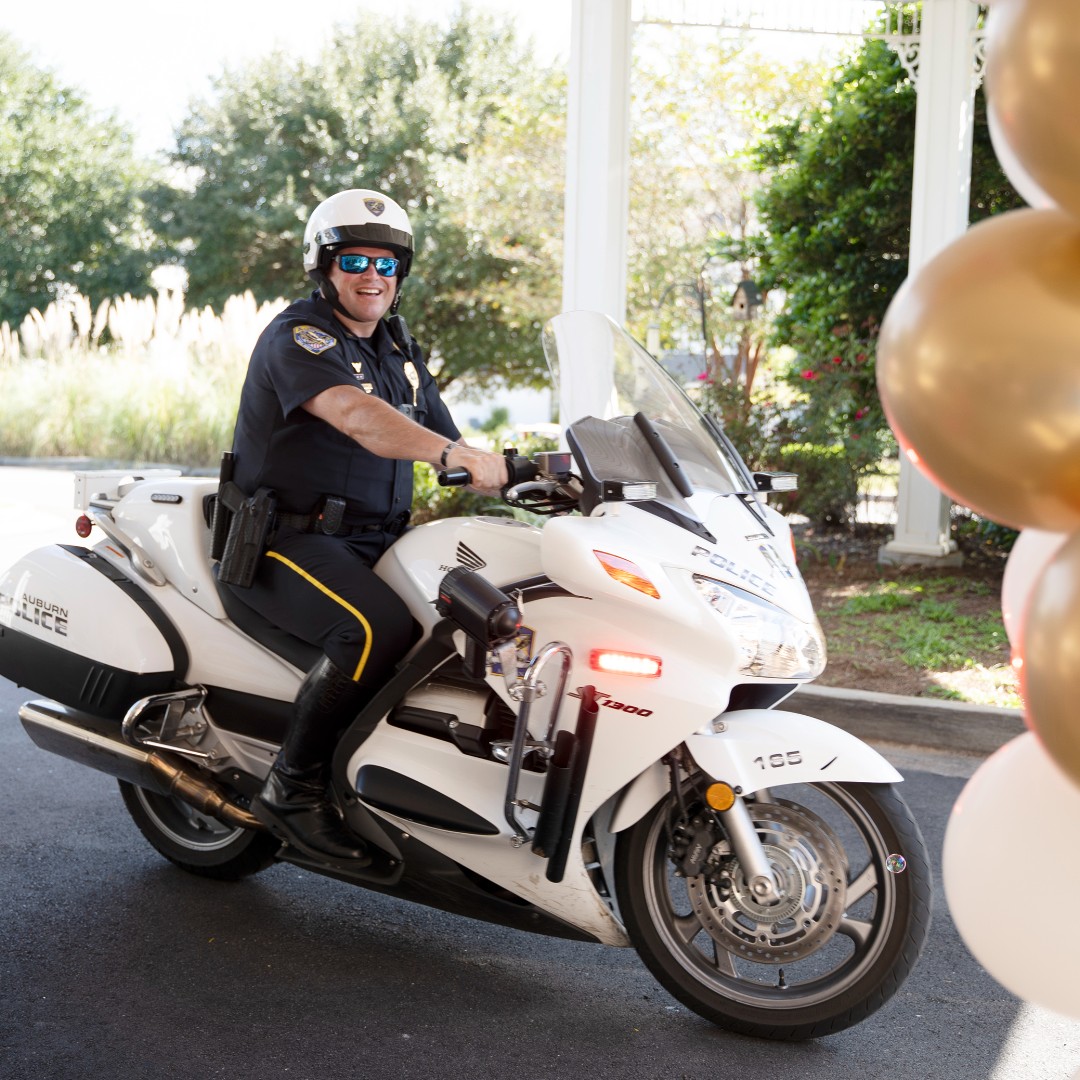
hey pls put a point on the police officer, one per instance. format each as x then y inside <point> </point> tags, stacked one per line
<point>336,406</point>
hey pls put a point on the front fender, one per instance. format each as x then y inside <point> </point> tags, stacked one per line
<point>761,748</point>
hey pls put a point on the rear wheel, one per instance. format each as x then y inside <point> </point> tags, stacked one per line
<point>195,841</point>
<point>835,945</point>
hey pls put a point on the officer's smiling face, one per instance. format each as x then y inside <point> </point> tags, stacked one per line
<point>367,296</point>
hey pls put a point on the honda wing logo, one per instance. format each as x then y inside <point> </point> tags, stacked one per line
<point>468,558</point>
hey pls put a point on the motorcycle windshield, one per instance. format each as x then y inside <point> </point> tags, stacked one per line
<point>645,414</point>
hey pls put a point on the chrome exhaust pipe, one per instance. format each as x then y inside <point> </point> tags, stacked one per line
<point>98,743</point>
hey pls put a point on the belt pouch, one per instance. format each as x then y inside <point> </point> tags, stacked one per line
<point>332,515</point>
<point>247,539</point>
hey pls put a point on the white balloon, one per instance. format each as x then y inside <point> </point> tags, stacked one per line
<point>1008,862</point>
<point>1031,554</point>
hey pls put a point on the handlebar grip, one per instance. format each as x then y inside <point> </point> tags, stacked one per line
<point>454,477</point>
<point>519,469</point>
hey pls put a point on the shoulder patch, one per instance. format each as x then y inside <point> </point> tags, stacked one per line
<point>313,339</point>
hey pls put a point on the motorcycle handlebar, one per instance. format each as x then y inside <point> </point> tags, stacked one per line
<point>518,469</point>
<point>454,477</point>
<point>544,487</point>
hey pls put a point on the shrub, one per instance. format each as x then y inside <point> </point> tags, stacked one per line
<point>828,486</point>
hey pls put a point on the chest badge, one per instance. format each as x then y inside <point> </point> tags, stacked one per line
<point>312,339</point>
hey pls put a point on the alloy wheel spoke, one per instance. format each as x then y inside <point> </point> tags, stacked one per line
<point>858,930</point>
<point>866,882</point>
<point>724,962</point>
<point>687,927</point>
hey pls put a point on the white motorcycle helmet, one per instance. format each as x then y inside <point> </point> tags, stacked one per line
<point>359,216</point>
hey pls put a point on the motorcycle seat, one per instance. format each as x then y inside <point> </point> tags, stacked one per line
<point>296,651</point>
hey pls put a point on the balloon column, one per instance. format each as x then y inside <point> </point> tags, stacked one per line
<point>979,375</point>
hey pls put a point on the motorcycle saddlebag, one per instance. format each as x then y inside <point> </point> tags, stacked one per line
<point>74,628</point>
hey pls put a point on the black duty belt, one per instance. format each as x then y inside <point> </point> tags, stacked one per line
<point>334,523</point>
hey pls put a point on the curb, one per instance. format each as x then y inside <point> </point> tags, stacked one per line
<point>950,726</point>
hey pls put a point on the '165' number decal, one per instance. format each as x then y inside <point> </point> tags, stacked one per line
<point>778,761</point>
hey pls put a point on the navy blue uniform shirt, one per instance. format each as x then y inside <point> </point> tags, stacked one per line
<point>279,445</point>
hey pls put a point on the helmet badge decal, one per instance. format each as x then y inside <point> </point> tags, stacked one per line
<point>376,206</point>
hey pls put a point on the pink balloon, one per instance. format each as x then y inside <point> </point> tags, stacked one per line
<point>1030,555</point>
<point>1011,817</point>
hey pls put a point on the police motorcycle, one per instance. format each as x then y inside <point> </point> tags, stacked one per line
<point>586,742</point>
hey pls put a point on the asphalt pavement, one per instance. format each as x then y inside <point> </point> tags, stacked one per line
<point>114,963</point>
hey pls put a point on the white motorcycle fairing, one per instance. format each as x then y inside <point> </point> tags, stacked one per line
<point>755,749</point>
<point>69,623</point>
<point>761,748</point>
<point>142,602</point>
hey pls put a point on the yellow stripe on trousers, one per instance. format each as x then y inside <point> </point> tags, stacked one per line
<point>337,600</point>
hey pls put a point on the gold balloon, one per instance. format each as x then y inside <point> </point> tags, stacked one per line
<point>979,369</point>
<point>1032,86</point>
<point>1050,646</point>
<point>1028,190</point>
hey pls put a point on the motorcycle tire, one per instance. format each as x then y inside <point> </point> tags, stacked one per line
<point>196,842</point>
<point>831,952</point>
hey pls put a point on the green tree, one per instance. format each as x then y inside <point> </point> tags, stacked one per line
<point>697,109</point>
<point>70,182</point>
<point>836,217</point>
<point>432,115</point>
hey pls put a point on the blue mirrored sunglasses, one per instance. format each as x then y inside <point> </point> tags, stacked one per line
<point>358,264</point>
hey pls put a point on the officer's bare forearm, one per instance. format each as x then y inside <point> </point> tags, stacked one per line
<point>379,427</point>
<point>376,425</point>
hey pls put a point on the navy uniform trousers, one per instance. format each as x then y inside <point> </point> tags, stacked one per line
<point>323,590</point>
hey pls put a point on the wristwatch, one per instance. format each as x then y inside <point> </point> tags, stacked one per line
<point>446,451</point>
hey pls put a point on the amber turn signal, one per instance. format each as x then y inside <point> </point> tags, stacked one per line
<point>627,573</point>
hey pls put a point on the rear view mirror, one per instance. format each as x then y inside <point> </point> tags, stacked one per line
<point>776,481</point>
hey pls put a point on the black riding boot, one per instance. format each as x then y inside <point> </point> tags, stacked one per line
<point>294,803</point>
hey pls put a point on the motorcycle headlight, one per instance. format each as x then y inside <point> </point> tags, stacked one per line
<point>772,643</point>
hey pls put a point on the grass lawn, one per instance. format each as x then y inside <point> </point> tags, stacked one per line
<point>921,631</point>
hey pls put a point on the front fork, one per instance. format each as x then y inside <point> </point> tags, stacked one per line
<point>745,842</point>
<point>749,849</point>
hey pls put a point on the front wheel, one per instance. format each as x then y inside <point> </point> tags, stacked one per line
<point>833,947</point>
<point>195,841</point>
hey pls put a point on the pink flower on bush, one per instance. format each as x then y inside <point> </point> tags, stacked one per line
<point>837,359</point>
<point>809,375</point>
<point>860,413</point>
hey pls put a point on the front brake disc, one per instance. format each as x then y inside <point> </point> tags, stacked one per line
<point>811,871</point>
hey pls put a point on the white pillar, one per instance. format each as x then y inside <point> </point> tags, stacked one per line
<point>939,214</point>
<point>597,180</point>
